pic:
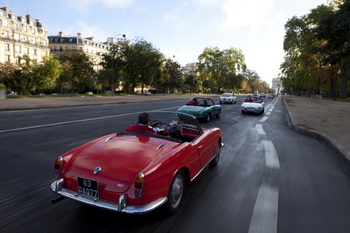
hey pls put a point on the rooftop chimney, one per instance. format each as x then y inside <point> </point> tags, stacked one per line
<point>28,19</point>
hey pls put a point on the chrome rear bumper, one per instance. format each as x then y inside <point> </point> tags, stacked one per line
<point>121,206</point>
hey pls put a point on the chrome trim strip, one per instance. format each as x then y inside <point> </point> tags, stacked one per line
<point>108,204</point>
<point>161,145</point>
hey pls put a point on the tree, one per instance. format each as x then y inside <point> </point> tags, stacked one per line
<point>141,63</point>
<point>191,83</point>
<point>173,76</point>
<point>111,76</point>
<point>78,73</point>
<point>44,75</point>
<point>335,30</point>
<point>223,68</point>
<point>303,65</point>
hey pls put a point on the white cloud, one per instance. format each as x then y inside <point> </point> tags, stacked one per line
<point>86,31</point>
<point>242,13</point>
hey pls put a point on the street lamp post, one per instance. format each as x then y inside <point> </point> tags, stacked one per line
<point>113,66</point>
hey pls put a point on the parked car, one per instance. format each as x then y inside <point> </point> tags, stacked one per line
<point>136,173</point>
<point>262,95</point>
<point>228,98</point>
<point>257,106</point>
<point>202,108</point>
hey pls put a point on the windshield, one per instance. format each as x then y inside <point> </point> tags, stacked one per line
<point>168,125</point>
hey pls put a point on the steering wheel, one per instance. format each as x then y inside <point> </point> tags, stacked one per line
<point>161,125</point>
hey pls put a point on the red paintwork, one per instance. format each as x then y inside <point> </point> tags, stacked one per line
<point>125,156</point>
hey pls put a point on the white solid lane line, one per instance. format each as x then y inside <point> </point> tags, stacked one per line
<point>265,214</point>
<point>79,121</point>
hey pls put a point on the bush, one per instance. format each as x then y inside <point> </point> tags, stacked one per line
<point>2,86</point>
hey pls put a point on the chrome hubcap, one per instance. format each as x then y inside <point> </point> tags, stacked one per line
<point>176,192</point>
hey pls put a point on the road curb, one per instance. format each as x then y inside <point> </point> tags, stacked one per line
<point>338,149</point>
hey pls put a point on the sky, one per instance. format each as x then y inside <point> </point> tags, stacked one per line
<point>180,29</point>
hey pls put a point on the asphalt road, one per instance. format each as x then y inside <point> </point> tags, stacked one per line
<point>269,178</point>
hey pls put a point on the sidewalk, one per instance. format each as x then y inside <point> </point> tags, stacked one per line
<point>58,102</point>
<point>327,121</point>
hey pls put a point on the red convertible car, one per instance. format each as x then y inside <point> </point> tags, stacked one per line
<point>133,172</point>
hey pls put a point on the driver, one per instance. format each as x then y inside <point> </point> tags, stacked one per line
<point>142,125</point>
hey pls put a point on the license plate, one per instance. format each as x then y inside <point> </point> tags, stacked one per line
<point>87,187</point>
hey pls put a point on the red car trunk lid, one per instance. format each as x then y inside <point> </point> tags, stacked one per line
<point>120,159</point>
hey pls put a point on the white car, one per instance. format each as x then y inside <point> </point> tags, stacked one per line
<point>257,107</point>
<point>228,98</point>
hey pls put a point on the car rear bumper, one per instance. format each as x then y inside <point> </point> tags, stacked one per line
<point>226,101</point>
<point>252,110</point>
<point>122,206</point>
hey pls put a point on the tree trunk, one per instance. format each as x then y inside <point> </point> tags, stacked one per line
<point>344,68</point>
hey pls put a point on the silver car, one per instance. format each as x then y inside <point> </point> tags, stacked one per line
<point>228,98</point>
<point>257,107</point>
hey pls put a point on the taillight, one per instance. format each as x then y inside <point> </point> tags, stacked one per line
<point>58,164</point>
<point>138,186</point>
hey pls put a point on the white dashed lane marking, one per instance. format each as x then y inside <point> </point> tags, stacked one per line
<point>265,214</point>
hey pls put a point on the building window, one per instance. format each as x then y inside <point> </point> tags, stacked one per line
<point>7,47</point>
<point>16,36</point>
<point>15,26</point>
<point>27,51</point>
<point>35,52</point>
<point>18,49</point>
<point>0,22</point>
<point>33,31</point>
<point>8,58</point>
<point>6,34</point>
<point>25,38</point>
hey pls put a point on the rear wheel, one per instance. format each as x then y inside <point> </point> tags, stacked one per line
<point>219,114</point>
<point>176,193</point>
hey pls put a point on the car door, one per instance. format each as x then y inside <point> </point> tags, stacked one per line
<point>215,109</point>
<point>206,147</point>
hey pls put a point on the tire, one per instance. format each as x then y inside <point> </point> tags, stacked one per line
<point>208,118</point>
<point>218,115</point>
<point>176,193</point>
<point>215,160</point>
<point>243,112</point>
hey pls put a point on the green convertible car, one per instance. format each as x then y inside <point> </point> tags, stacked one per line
<point>202,108</point>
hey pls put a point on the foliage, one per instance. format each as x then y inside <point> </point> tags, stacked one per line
<point>223,68</point>
<point>141,63</point>
<point>172,78</point>
<point>78,74</point>
<point>317,51</point>
<point>191,83</point>
<point>44,75</point>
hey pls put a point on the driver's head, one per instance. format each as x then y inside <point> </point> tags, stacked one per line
<point>144,118</point>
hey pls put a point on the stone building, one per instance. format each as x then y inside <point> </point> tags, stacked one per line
<point>62,44</point>
<point>277,85</point>
<point>21,36</point>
